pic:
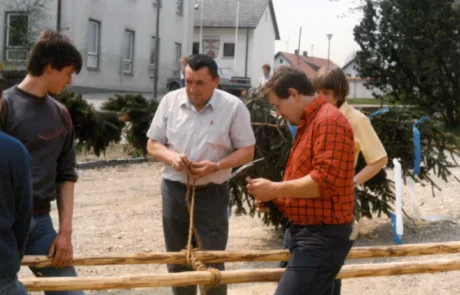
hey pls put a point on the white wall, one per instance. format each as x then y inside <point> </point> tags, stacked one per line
<point>281,61</point>
<point>174,29</point>
<point>358,90</point>
<point>115,16</point>
<point>261,47</point>
<point>351,70</point>
<point>227,35</point>
<point>264,46</point>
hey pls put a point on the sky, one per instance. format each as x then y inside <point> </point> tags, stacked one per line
<point>317,19</point>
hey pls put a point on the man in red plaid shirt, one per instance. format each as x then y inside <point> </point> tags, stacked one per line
<point>317,193</point>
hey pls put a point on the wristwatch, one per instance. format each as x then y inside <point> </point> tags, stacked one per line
<point>217,166</point>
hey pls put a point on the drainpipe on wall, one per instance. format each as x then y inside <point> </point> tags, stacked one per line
<point>59,9</point>
<point>247,53</point>
<point>157,52</point>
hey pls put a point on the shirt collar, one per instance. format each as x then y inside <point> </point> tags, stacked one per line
<point>312,110</point>
<point>344,107</point>
<point>212,102</point>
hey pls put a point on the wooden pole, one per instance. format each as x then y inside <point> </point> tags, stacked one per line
<point>230,277</point>
<point>247,256</point>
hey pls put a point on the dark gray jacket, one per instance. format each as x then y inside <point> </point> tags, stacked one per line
<point>44,126</point>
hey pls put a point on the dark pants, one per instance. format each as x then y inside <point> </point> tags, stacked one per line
<point>211,222</point>
<point>317,255</point>
<point>11,286</point>
<point>283,264</point>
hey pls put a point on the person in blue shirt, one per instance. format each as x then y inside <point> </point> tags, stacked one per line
<point>293,130</point>
<point>15,211</point>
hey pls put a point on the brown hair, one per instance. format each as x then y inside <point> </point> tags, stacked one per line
<point>286,77</point>
<point>55,49</point>
<point>267,67</point>
<point>332,78</point>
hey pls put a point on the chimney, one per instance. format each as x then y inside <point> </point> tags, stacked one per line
<point>305,54</point>
<point>296,52</point>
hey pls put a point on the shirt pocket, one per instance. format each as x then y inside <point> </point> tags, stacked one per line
<point>218,137</point>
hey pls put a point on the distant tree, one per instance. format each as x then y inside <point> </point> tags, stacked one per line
<point>23,25</point>
<point>410,50</point>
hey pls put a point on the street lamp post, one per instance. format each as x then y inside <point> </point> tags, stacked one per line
<point>329,36</point>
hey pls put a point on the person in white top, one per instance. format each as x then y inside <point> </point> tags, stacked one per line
<point>182,62</point>
<point>205,132</point>
<point>266,76</point>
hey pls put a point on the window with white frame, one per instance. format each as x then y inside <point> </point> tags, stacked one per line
<point>177,57</point>
<point>92,55</point>
<point>179,6</point>
<point>17,36</point>
<point>128,52</point>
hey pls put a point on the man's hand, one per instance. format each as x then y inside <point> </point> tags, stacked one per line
<point>202,169</point>
<point>262,189</point>
<point>180,162</point>
<point>61,250</point>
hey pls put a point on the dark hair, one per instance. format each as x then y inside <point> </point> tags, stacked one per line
<point>332,78</point>
<point>55,49</point>
<point>286,77</point>
<point>199,61</point>
<point>267,67</point>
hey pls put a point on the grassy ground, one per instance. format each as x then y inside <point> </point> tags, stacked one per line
<point>366,101</point>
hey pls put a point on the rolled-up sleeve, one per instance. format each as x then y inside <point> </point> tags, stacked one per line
<point>157,130</point>
<point>333,157</point>
<point>241,131</point>
<point>67,160</point>
<point>369,143</point>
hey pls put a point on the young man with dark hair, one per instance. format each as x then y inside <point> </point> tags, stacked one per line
<point>201,132</point>
<point>15,210</point>
<point>44,126</point>
<point>317,192</point>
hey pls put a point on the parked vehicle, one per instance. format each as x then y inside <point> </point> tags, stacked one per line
<point>231,83</point>
<point>173,83</point>
<point>228,82</point>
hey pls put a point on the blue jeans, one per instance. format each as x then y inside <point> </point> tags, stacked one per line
<point>317,255</point>
<point>11,286</point>
<point>286,240</point>
<point>39,242</point>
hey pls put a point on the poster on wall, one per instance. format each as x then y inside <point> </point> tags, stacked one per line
<point>211,46</point>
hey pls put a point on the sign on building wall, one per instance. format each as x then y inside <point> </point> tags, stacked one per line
<point>211,46</point>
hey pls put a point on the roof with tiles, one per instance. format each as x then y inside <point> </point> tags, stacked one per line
<point>222,13</point>
<point>309,65</point>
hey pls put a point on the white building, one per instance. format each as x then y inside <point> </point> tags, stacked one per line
<point>257,32</point>
<point>115,37</point>
<point>356,83</point>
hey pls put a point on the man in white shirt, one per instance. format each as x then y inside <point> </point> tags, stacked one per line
<point>264,79</point>
<point>206,132</point>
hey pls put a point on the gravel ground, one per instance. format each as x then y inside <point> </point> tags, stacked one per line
<point>118,210</point>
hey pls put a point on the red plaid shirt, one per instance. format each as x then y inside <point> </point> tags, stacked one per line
<point>324,149</point>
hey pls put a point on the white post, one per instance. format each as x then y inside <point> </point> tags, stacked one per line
<point>201,29</point>
<point>236,34</point>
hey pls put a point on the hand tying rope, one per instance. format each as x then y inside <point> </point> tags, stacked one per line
<point>189,251</point>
